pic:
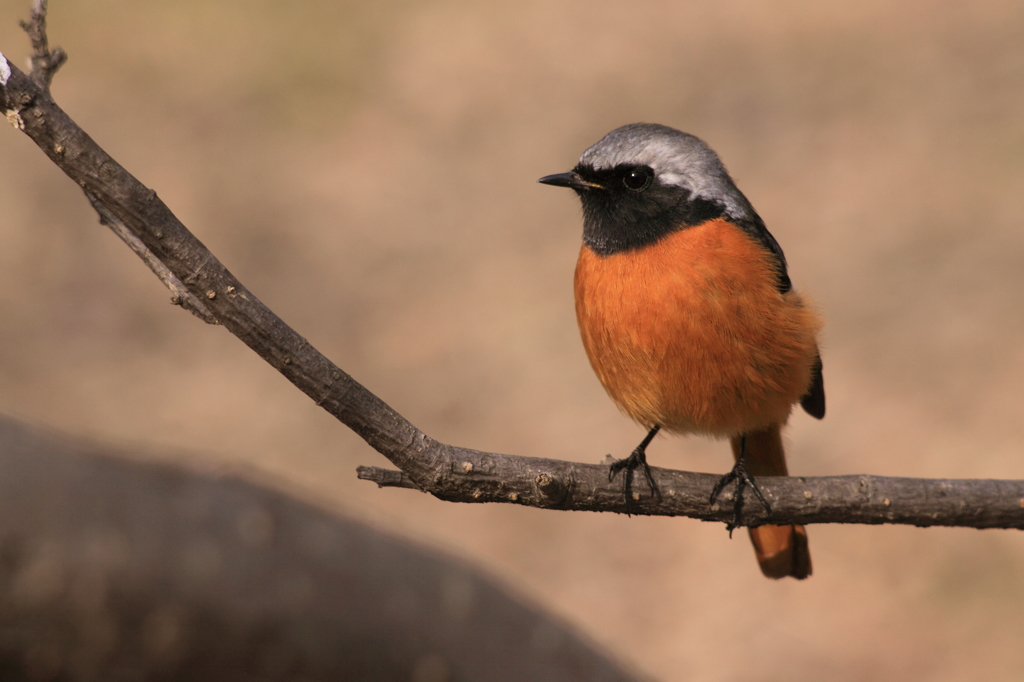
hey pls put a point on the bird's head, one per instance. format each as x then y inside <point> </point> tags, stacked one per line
<point>643,181</point>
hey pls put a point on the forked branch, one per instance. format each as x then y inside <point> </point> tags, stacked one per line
<point>206,287</point>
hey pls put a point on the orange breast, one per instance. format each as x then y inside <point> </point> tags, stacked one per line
<point>692,334</point>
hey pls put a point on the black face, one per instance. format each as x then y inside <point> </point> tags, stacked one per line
<point>625,207</point>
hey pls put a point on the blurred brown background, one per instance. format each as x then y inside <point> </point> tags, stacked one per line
<point>368,170</point>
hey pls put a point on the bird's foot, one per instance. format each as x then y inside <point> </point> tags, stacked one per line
<point>743,479</point>
<point>636,460</point>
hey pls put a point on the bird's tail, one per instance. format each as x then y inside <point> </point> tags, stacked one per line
<point>781,550</point>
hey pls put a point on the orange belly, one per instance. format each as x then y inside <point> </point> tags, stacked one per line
<point>692,334</point>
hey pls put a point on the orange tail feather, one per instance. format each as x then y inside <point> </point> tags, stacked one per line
<point>781,550</point>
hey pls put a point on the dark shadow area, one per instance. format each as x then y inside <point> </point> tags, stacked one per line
<point>114,569</point>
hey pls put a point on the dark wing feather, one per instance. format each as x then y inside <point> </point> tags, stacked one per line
<point>755,228</point>
<point>814,401</point>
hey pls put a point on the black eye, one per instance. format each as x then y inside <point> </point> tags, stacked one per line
<point>637,179</point>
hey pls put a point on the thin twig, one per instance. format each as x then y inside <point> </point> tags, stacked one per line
<point>386,478</point>
<point>45,62</point>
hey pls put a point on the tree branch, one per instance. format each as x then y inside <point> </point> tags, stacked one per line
<point>445,471</point>
<point>180,295</point>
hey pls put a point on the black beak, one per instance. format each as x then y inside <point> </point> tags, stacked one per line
<point>571,180</point>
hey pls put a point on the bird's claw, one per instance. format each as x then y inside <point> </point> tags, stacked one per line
<point>637,459</point>
<point>743,479</point>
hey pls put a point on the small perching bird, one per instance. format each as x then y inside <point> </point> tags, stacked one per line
<point>688,315</point>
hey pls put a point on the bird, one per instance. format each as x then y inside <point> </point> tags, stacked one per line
<point>688,315</point>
